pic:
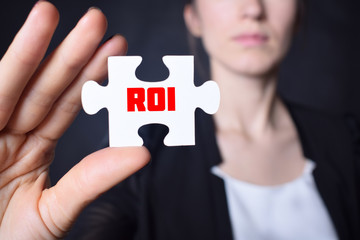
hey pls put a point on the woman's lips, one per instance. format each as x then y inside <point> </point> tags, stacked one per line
<point>251,39</point>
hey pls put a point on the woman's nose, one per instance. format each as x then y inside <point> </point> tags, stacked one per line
<point>252,9</point>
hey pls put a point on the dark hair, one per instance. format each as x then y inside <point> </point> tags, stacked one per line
<point>300,14</point>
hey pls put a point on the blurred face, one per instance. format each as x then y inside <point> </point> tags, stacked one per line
<point>248,37</point>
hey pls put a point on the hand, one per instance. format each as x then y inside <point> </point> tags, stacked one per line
<point>38,101</point>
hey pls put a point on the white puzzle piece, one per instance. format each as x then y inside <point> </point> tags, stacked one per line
<point>132,103</point>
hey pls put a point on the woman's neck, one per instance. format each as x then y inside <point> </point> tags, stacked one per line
<point>249,105</point>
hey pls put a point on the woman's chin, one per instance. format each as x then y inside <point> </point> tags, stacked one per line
<point>255,67</point>
<point>250,63</point>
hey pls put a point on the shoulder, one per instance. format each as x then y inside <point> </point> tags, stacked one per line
<point>321,121</point>
<point>327,136</point>
<point>306,112</point>
<point>337,134</point>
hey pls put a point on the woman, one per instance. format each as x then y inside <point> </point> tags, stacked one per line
<point>250,175</point>
<point>255,145</point>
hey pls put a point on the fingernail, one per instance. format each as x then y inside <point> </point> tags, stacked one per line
<point>91,8</point>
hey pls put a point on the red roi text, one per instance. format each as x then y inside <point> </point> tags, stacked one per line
<point>156,99</point>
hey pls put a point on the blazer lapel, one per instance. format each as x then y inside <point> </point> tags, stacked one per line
<point>221,220</point>
<point>327,176</point>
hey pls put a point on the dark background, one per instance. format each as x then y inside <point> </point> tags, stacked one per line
<point>321,69</point>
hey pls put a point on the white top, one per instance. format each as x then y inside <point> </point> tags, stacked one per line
<point>289,211</point>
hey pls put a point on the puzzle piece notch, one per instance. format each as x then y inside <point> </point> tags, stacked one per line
<point>124,125</point>
<point>90,104</point>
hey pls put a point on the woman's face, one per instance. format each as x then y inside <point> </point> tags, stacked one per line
<point>248,37</point>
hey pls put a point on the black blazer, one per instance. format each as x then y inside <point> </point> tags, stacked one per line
<point>177,197</point>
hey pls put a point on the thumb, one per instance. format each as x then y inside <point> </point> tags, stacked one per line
<point>60,205</point>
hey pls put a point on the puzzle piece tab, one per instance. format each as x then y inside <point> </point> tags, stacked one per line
<point>132,103</point>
